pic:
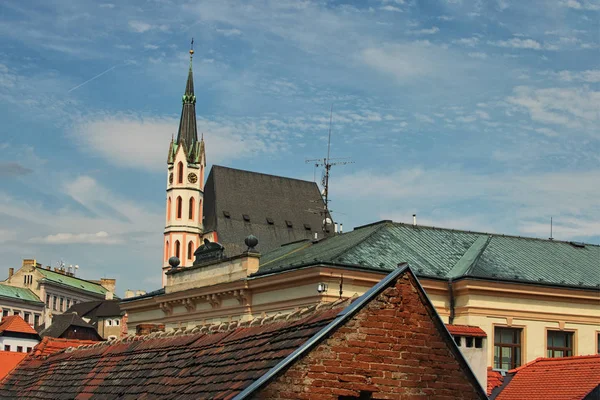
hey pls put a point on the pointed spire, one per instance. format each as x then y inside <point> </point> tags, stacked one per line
<point>188,132</point>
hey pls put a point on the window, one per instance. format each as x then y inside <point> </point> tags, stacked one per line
<point>598,343</point>
<point>36,320</point>
<point>17,312</point>
<point>246,217</point>
<point>109,322</point>
<point>29,349</point>
<point>270,221</point>
<point>25,280</point>
<point>68,303</point>
<point>48,301</point>
<point>6,347</point>
<point>190,252</point>
<point>191,208</point>
<point>27,317</point>
<point>62,304</point>
<point>289,223</point>
<point>116,322</point>
<point>478,342</point>
<point>364,395</point>
<point>457,340</point>
<point>178,207</point>
<point>507,348</point>
<point>180,172</point>
<point>177,248</point>
<point>469,341</point>
<point>167,250</point>
<point>169,208</point>
<point>54,302</point>
<point>5,312</point>
<point>112,337</point>
<point>560,344</point>
<point>19,349</point>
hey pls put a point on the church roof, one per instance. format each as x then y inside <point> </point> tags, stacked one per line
<point>275,209</point>
<point>188,131</point>
<point>446,253</point>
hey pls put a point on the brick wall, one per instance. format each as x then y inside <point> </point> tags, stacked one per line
<point>391,349</point>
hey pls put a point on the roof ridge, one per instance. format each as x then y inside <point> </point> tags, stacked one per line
<point>69,276</point>
<point>261,173</point>
<point>410,225</point>
<point>368,236</point>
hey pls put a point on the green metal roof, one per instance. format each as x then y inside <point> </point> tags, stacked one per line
<point>71,281</point>
<point>447,253</point>
<point>18,293</point>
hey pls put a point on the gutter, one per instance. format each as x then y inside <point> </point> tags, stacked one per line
<point>452,302</point>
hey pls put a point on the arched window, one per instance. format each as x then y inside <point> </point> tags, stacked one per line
<point>167,250</point>
<point>190,252</point>
<point>178,207</point>
<point>169,208</point>
<point>201,175</point>
<point>191,208</point>
<point>177,248</point>
<point>180,172</point>
<point>200,211</point>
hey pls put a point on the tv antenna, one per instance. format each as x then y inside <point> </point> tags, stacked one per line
<point>327,163</point>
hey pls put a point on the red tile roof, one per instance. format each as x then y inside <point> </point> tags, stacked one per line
<point>50,345</point>
<point>9,360</point>
<point>15,323</point>
<point>466,330</point>
<point>494,379</point>
<point>554,379</point>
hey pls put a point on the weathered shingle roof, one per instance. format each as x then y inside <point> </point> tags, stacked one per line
<point>554,379</point>
<point>17,293</point>
<point>260,197</point>
<point>224,361</point>
<point>447,253</point>
<point>72,281</point>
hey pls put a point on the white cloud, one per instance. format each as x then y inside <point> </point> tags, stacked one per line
<point>391,8</point>
<point>481,56</point>
<point>229,32</point>
<point>470,42</point>
<point>427,31</point>
<point>571,107</point>
<point>517,43</point>
<point>139,26</point>
<point>424,118</point>
<point>150,46</point>
<point>589,76</point>
<point>77,238</point>
<point>582,5</point>
<point>107,5</point>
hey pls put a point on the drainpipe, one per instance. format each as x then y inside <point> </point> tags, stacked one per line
<point>451,295</point>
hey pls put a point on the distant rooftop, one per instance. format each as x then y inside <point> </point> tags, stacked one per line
<point>72,281</point>
<point>446,253</point>
<point>18,293</point>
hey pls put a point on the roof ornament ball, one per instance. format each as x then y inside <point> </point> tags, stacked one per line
<point>251,241</point>
<point>174,262</point>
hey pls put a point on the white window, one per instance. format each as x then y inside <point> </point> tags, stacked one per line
<point>116,322</point>
<point>109,322</point>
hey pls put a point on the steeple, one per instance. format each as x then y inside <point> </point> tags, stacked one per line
<point>188,132</point>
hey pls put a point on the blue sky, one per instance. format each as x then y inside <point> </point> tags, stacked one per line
<point>477,115</point>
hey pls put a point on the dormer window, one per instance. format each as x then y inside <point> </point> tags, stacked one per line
<point>270,221</point>
<point>246,217</point>
<point>289,223</point>
<point>307,227</point>
<point>226,214</point>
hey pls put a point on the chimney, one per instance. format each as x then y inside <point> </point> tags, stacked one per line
<point>108,284</point>
<point>129,293</point>
<point>29,262</point>
<point>108,295</point>
<point>341,228</point>
<point>48,268</point>
<point>11,271</point>
<point>414,219</point>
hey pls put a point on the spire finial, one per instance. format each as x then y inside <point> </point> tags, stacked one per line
<point>192,48</point>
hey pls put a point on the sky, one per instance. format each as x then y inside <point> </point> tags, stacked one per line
<point>472,114</point>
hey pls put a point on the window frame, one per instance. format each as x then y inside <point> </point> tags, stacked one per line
<point>569,332</point>
<point>514,363</point>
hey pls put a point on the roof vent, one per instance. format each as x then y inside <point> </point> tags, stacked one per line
<point>580,245</point>
<point>307,227</point>
<point>246,217</point>
<point>270,221</point>
<point>289,223</point>
<point>226,214</point>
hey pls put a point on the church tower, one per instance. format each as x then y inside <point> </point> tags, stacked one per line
<point>185,185</point>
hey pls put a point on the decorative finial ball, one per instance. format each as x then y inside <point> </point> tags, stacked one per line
<point>191,51</point>
<point>251,241</point>
<point>174,262</point>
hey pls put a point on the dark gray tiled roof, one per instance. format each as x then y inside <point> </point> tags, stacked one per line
<point>260,197</point>
<point>60,323</point>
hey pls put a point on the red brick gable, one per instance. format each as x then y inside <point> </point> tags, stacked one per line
<point>395,347</point>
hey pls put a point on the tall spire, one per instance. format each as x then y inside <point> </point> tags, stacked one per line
<point>188,132</point>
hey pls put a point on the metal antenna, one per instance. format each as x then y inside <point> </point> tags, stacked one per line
<point>327,164</point>
<point>551,238</point>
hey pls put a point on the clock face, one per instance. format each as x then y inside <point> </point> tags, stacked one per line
<point>192,177</point>
<point>171,177</point>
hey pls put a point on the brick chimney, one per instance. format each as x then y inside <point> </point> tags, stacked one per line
<point>11,272</point>
<point>108,284</point>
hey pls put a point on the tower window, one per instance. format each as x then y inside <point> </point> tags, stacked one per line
<point>191,208</point>
<point>167,250</point>
<point>178,207</point>
<point>190,250</point>
<point>180,172</point>
<point>169,208</point>
<point>177,248</point>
